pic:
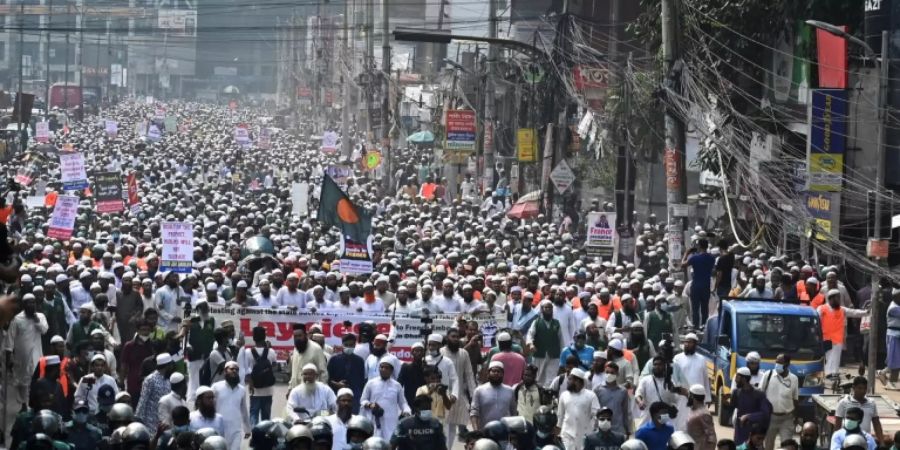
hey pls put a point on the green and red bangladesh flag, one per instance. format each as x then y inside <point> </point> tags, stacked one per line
<point>335,208</point>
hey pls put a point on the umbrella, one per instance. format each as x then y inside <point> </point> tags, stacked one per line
<point>421,137</point>
<point>524,210</point>
<point>231,90</point>
<point>533,196</point>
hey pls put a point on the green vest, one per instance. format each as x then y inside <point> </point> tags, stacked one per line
<point>202,339</point>
<point>546,339</point>
<point>81,333</point>
<point>642,353</point>
<point>658,322</point>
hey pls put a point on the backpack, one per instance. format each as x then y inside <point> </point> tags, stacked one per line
<point>262,374</point>
<point>207,373</point>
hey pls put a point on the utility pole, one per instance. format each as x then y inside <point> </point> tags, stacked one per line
<point>68,49</point>
<point>79,55</point>
<point>20,103</point>
<point>346,151</point>
<point>47,56</point>
<point>676,189</point>
<point>370,66</point>
<point>875,313</point>
<point>386,104</point>
<point>561,105</point>
<point>488,126</point>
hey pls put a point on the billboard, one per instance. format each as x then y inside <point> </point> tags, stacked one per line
<point>178,22</point>
<point>827,139</point>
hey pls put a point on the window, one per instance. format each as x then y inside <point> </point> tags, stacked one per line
<point>771,334</point>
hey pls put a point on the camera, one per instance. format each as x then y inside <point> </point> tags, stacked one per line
<point>442,388</point>
<point>377,412</point>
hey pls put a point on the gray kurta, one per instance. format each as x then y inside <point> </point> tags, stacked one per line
<point>492,403</point>
<point>459,412</point>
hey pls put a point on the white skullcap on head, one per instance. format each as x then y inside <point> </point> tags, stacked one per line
<point>57,339</point>
<point>434,337</point>
<point>344,391</point>
<point>232,364</point>
<point>163,359</point>
<point>744,371</point>
<point>616,344</point>
<point>176,378</point>
<point>203,390</point>
<point>310,366</point>
<point>580,373</point>
<point>599,354</point>
<point>52,360</point>
<point>697,389</point>
<point>494,364</point>
<point>504,337</point>
<point>98,357</point>
<point>753,357</point>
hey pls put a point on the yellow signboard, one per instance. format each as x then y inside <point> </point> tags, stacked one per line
<point>526,145</point>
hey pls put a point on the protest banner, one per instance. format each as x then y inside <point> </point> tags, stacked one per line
<point>329,142</point>
<point>72,172</point>
<point>407,329</point>
<point>178,247</point>
<point>112,128</point>
<point>25,175</point>
<point>340,173</point>
<point>134,203</point>
<point>265,138</point>
<point>153,133</point>
<point>356,257</point>
<point>62,221</point>
<point>242,135</point>
<point>300,199</point>
<point>601,234</point>
<point>42,132</point>
<point>108,192</point>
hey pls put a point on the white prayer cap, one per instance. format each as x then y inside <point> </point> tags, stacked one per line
<point>494,364</point>
<point>697,389</point>
<point>577,372</point>
<point>163,359</point>
<point>344,391</point>
<point>434,337</point>
<point>310,366</point>
<point>176,378</point>
<point>753,357</point>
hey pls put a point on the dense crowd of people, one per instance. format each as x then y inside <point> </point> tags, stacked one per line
<point>105,350</point>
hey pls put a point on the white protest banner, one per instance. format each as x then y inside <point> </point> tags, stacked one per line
<point>34,201</point>
<point>62,222</point>
<point>329,142</point>
<point>407,331</point>
<point>42,132</point>
<point>601,234</point>
<point>356,257</point>
<point>112,128</point>
<point>300,199</point>
<point>242,136</point>
<point>153,133</point>
<point>265,138</point>
<point>178,246</point>
<point>72,172</point>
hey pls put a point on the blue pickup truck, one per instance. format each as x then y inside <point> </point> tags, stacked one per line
<point>768,328</point>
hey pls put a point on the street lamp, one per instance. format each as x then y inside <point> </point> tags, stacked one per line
<point>879,176</point>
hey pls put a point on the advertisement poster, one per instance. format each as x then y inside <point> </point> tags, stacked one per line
<point>178,247</point>
<point>819,205</point>
<point>460,130</point>
<point>356,258</point>
<point>526,145</point>
<point>153,133</point>
<point>134,202</point>
<point>108,192</point>
<point>827,139</point>
<point>601,234</point>
<point>72,172</point>
<point>62,221</point>
<point>265,138</point>
<point>407,331</point>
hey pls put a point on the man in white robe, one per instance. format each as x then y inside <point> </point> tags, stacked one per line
<point>383,401</point>
<point>23,346</point>
<point>311,395</point>
<point>576,411</point>
<point>231,397</point>
<point>693,367</point>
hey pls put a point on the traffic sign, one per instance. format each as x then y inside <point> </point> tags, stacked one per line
<point>562,176</point>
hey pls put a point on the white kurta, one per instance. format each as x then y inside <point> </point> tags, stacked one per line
<point>216,423</point>
<point>465,380</point>
<point>88,392</point>
<point>567,325</point>
<point>168,403</point>
<point>693,368</point>
<point>24,341</point>
<point>388,394</point>
<point>372,363</point>
<point>320,398</point>
<point>236,420</point>
<point>338,432</point>
<point>575,417</point>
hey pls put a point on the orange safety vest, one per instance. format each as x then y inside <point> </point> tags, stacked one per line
<point>428,191</point>
<point>818,300</point>
<point>606,310</point>
<point>63,376</point>
<point>801,288</point>
<point>832,324</point>
<point>50,199</point>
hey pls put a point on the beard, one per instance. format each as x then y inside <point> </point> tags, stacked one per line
<point>301,346</point>
<point>379,352</point>
<point>207,412</point>
<point>495,383</point>
<point>454,347</point>
<point>232,380</point>
<point>309,388</point>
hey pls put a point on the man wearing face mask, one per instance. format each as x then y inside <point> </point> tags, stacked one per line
<point>782,389</point>
<point>655,434</point>
<point>79,433</point>
<point>850,426</point>
<point>577,408</point>
<point>751,406</point>
<point>420,431</point>
<point>616,400</point>
<point>134,353</point>
<point>606,438</point>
